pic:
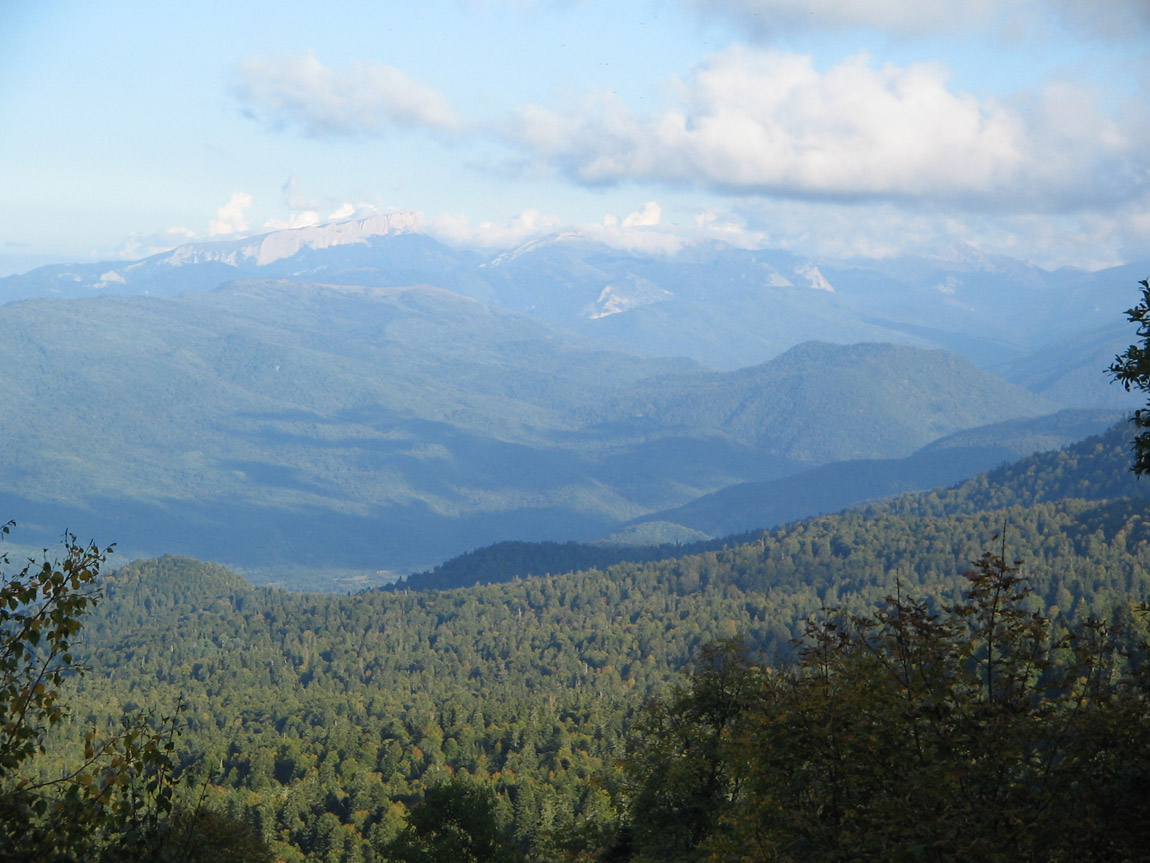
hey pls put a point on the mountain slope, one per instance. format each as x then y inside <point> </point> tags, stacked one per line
<point>1070,370</point>
<point>374,429</point>
<point>301,422</point>
<point>830,488</point>
<point>819,403</point>
<point>1095,468</point>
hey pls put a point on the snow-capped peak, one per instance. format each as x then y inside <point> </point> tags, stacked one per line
<point>284,243</point>
<point>816,280</point>
<point>614,298</point>
<point>532,245</point>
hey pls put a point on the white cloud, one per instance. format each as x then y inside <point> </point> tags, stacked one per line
<point>505,233</point>
<point>366,98</point>
<point>302,219</point>
<point>731,230</point>
<point>139,245</point>
<point>305,211</point>
<point>666,240</point>
<point>633,234</point>
<point>768,123</point>
<point>344,211</point>
<point>826,230</point>
<point>651,214</point>
<point>231,218</point>
<point>294,198</point>
<point>1087,240</point>
<point>766,18</point>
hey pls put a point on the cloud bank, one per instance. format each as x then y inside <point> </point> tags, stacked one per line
<point>776,141</point>
<point>1109,19</point>
<point>762,122</point>
<point>366,98</point>
<point>639,231</point>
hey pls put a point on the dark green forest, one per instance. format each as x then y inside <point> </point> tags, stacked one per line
<point>572,716</point>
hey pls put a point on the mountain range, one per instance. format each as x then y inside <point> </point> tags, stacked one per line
<point>362,399</point>
<point>834,487</point>
<point>722,306</point>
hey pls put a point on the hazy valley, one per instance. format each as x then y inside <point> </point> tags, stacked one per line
<point>421,400</point>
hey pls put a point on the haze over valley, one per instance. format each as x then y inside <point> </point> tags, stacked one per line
<point>480,431</point>
<point>422,400</point>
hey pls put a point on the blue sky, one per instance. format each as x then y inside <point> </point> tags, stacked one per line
<point>829,127</point>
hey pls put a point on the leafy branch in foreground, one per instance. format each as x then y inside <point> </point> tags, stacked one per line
<point>1132,369</point>
<point>119,798</point>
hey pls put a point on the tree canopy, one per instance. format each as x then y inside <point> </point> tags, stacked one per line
<point>1132,369</point>
<point>971,732</point>
<point>116,799</point>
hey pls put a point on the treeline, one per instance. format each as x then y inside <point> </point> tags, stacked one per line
<point>504,561</point>
<point>1097,468</point>
<point>324,720</point>
<point>1094,469</point>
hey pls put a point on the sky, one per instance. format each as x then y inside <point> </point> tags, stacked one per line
<point>832,128</point>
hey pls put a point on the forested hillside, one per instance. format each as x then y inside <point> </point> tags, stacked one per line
<point>1090,469</point>
<point>913,397</point>
<point>324,719</point>
<point>830,488</point>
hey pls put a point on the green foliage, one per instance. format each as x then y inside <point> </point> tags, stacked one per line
<point>108,804</point>
<point>203,835</point>
<point>683,781</point>
<point>113,800</point>
<point>950,460</point>
<point>967,733</point>
<point>890,400</point>
<point>323,719</point>
<point>1132,370</point>
<point>504,561</point>
<point>1090,469</point>
<point>40,611</point>
<point>456,822</point>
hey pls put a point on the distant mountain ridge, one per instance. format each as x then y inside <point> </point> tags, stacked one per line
<point>361,397</point>
<point>799,404</point>
<point>725,307</point>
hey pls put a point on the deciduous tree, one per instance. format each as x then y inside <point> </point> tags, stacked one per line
<point>1132,369</point>
<point>114,801</point>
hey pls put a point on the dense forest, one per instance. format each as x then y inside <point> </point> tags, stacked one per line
<point>353,728</point>
<point>544,701</point>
